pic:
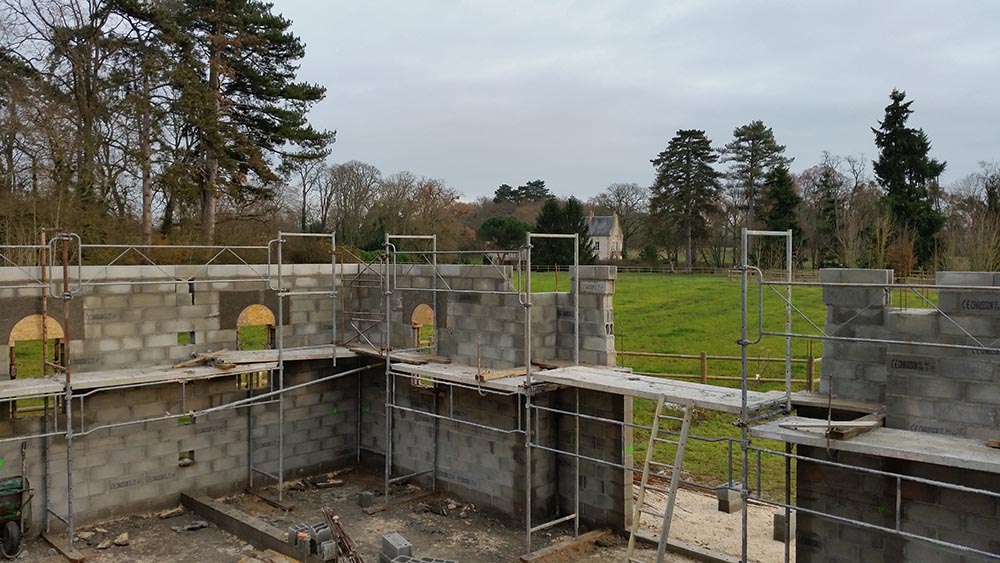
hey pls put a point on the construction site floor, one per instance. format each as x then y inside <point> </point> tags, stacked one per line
<point>436,526</point>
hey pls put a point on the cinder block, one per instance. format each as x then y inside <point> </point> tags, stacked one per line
<point>779,526</point>
<point>730,500</point>
<point>394,545</point>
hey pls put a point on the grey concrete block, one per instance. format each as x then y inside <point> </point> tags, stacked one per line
<point>730,500</point>
<point>780,526</point>
<point>394,545</point>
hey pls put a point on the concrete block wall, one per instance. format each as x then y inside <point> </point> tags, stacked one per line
<point>487,468</point>
<point>118,323</point>
<point>136,467</point>
<point>488,329</point>
<point>605,492</point>
<point>856,370</point>
<point>925,389</point>
<point>929,511</point>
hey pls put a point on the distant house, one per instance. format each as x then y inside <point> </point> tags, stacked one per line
<point>606,234</point>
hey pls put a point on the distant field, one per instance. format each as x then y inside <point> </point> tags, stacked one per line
<point>691,314</point>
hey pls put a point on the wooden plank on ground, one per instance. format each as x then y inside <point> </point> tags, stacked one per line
<point>392,504</point>
<point>993,443</point>
<point>570,547</point>
<point>59,543</point>
<point>689,550</point>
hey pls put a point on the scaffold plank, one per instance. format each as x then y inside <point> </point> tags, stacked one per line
<point>455,373</point>
<point>922,447</point>
<point>30,387</point>
<point>123,377</point>
<point>322,352</point>
<point>610,380</point>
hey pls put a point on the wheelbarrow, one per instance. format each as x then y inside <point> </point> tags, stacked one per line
<point>15,509</point>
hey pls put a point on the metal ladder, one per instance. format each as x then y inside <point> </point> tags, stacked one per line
<point>675,477</point>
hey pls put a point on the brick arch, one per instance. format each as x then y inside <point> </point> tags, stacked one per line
<point>30,328</point>
<point>422,315</point>
<point>256,315</point>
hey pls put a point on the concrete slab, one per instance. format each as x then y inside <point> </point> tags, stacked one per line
<point>289,355</point>
<point>922,447</point>
<point>613,381</point>
<point>32,387</point>
<point>456,373</point>
<point>120,377</point>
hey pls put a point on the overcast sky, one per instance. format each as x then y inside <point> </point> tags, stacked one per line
<point>582,94</point>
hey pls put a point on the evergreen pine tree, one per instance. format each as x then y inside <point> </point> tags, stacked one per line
<point>244,100</point>
<point>686,190</point>
<point>828,186</point>
<point>753,154</point>
<point>561,219</point>
<point>907,174</point>
<point>781,201</point>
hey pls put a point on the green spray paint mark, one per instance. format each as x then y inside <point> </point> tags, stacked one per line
<point>629,449</point>
<point>334,410</point>
<point>881,509</point>
<point>571,439</point>
<point>184,420</point>
<point>368,408</point>
<point>1,463</point>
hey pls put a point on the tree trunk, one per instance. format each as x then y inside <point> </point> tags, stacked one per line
<point>145,134</point>
<point>208,190</point>
<point>689,256</point>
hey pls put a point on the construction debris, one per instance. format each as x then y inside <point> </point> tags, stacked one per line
<point>171,513</point>
<point>122,539</point>
<point>105,544</point>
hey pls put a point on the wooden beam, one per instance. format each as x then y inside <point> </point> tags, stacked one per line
<point>489,375</point>
<point>59,543</point>
<point>567,549</point>
<point>689,550</point>
<point>875,420</point>
<point>392,504</point>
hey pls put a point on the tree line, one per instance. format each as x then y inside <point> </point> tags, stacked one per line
<point>185,121</point>
<point>840,213</point>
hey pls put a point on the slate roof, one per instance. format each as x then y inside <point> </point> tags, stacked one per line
<point>600,225</point>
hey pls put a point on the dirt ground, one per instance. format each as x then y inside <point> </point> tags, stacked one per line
<point>436,526</point>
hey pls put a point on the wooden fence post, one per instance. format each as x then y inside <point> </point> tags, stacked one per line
<point>810,368</point>
<point>704,368</point>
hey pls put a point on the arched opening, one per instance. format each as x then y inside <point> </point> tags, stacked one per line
<point>255,331</point>
<point>34,341</point>
<point>422,323</point>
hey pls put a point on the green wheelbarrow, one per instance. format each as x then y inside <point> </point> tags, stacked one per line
<point>15,510</point>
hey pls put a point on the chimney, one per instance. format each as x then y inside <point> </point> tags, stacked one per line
<point>591,216</point>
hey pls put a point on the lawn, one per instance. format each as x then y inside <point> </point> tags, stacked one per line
<point>692,314</point>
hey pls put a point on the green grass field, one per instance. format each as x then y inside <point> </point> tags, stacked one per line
<point>682,314</point>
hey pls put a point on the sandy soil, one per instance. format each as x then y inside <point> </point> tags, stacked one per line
<point>436,526</point>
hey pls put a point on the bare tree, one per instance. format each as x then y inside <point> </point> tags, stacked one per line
<point>346,196</point>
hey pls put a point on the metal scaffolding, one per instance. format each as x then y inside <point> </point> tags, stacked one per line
<point>748,450</point>
<point>64,280</point>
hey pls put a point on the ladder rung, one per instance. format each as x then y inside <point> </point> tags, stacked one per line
<point>657,489</point>
<point>661,464</point>
<point>666,441</point>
